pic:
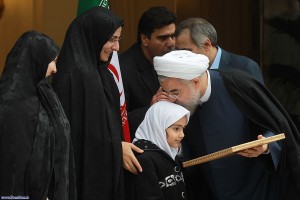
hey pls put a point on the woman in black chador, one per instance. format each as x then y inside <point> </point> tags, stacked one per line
<point>34,131</point>
<point>91,100</point>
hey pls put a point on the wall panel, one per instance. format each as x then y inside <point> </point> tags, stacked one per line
<point>51,17</point>
<point>17,17</point>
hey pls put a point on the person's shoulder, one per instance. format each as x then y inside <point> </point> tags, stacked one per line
<point>128,59</point>
<point>239,59</point>
<point>146,145</point>
<point>237,75</point>
<point>130,52</point>
<point>149,159</point>
<point>231,60</point>
<point>151,151</point>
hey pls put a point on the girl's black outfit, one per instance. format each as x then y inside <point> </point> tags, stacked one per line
<point>161,178</point>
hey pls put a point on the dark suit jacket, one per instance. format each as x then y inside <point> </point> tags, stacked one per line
<point>240,62</point>
<point>140,84</point>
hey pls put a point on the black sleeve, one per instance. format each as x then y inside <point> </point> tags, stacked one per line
<point>147,186</point>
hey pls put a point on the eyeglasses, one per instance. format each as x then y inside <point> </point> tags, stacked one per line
<point>174,95</point>
<point>114,40</point>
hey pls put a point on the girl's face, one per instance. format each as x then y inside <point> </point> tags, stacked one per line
<point>111,45</point>
<point>175,132</point>
<point>51,68</point>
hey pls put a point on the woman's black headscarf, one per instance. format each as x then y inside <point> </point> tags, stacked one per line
<point>34,131</point>
<point>91,101</point>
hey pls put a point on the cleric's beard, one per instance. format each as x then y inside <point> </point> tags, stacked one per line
<point>192,103</point>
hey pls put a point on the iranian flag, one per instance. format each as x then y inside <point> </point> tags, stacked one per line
<point>84,5</point>
<point>114,68</point>
<point>114,65</point>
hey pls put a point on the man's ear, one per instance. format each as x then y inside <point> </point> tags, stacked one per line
<point>207,45</point>
<point>196,81</point>
<point>200,82</point>
<point>144,39</point>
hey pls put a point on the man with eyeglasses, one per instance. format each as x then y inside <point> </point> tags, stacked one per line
<point>199,36</point>
<point>235,108</point>
<point>156,29</point>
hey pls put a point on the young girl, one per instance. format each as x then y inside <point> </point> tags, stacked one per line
<point>160,135</point>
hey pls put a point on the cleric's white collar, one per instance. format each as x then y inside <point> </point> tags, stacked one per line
<point>207,93</point>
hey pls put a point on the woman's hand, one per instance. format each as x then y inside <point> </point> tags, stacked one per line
<point>130,162</point>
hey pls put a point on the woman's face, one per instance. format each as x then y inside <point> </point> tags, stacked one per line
<point>51,68</point>
<point>111,45</point>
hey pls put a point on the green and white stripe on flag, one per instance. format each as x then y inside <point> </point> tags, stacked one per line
<point>84,5</point>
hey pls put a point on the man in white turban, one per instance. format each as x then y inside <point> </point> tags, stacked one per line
<point>230,108</point>
<point>183,66</point>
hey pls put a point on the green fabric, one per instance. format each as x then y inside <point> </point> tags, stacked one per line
<point>84,5</point>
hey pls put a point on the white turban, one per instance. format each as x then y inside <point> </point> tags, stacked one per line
<point>158,118</point>
<point>181,64</point>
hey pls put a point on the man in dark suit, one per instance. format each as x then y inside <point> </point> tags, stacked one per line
<point>156,29</point>
<point>199,36</point>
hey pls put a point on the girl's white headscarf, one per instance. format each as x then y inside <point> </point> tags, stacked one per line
<point>159,117</point>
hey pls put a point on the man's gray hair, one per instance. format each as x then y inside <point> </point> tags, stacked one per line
<point>200,30</point>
